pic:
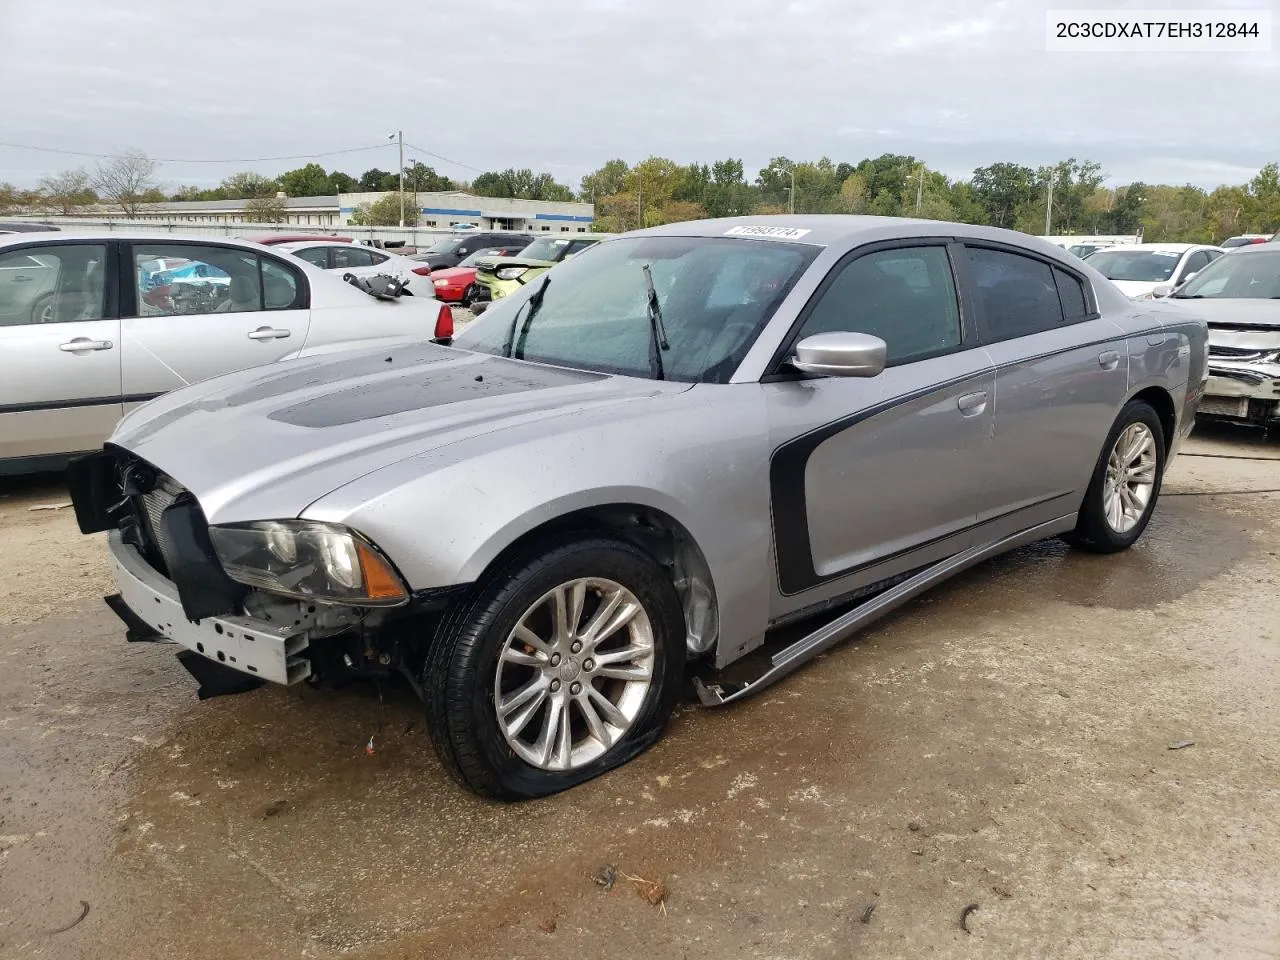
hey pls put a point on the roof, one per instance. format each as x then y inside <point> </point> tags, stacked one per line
<point>1162,247</point>
<point>158,236</point>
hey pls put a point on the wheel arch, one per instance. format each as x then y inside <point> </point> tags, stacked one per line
<point>653,529</point>
<point>1162,402</point>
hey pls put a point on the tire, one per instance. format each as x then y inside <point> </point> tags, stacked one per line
<point>477,659</point>
<point>1096,529</point>
<point>468,296</point>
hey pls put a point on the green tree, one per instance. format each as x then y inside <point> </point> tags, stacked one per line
<point>372,180</point>
<point>418,177</point>
<point>1264,190</point>
<point>340,182</point>
<point>307,181</point>
<point>965,203</point>
<point>247,185</point>
<point>611,178</point>
<point>1001,189</point>
<point>385,211</point>
<point>520,184</point>
<point>269,209</point>
<point>68,191</point>
<point>8,198</point>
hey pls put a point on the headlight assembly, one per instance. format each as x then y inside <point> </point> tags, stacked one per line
<point>308,560</point>
<point>511,273</point>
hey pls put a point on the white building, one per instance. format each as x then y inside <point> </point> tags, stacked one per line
<point>435,210</point>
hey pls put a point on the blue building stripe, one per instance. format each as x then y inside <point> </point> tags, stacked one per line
<point>562,216</point>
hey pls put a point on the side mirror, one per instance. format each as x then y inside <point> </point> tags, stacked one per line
<point>1162,289</point>
<point>840,355</point>
<point>1188,277</point>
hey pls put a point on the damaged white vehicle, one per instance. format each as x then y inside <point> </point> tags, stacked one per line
<point>1239,295</point>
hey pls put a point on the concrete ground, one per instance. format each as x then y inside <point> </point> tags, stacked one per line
<point>1006,745</point>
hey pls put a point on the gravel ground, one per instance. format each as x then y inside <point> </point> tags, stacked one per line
<point>1006,741</point>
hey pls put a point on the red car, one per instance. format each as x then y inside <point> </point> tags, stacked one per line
<point>272,238</point>
<point>457,284</point>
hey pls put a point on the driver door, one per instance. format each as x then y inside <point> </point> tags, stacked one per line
<point>871,477</point>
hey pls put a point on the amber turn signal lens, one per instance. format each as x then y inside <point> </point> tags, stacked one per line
<point>380,582</point>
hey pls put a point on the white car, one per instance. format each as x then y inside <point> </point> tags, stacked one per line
<point>361,261</point>
<point>1138,268</point>
<point>93,326</point>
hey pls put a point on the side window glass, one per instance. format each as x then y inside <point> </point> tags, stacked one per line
<point>375,257</point>
<point>280,286</point>
<point>352,256</point>
<point>1071,293</point>
<point>182,279</point>
<point>316,255</point>
<point>1195,263</point>
<point>904,296</point>
<point>1018,294</point>
<point>56,284</point>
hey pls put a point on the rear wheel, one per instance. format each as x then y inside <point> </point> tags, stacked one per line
<point>469,295</point>
<point>564,664</point>
<point>1126,483</point>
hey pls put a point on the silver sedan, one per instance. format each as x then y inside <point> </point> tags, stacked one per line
<point>653,459</point>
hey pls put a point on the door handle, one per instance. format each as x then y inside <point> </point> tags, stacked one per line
<point>268,333</point>
<point>1108,359</point>
<point>81,344</point>
<point>972,404</point>
<point>21,279</point>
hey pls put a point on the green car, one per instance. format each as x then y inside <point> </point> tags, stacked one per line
<point>497,277</point>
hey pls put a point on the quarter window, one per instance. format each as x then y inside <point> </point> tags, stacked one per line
<point>1071,293</point>
<point>53,284</point>
<point>316,255</point>
<point>904,296</point>
<point>1018,294</point>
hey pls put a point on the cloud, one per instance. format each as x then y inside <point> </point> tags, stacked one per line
<point>564,85</point>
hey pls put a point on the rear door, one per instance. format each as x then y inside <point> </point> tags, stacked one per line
<point>1061,376</point>
<point>60,347</point>
<point>210,309</point>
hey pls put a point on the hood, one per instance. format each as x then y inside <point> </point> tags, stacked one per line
<point>1136,288</point>
<point>1227,312</point>
<point>267,442</point>
<point>491,264</point>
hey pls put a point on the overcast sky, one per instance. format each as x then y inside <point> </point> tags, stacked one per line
<point>563,85</point>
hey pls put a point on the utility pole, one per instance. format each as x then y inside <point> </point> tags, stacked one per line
<point>791,199</point>
<point>920,189</point>
<point>398,136</point>
<point>1048,207</point>
<point>640,198</point>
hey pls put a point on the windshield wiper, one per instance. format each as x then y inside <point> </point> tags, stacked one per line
<point>533,303</point>
<point>657,331</point>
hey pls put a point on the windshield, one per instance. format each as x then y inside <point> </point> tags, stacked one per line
<point>1241,276</point>
<point>1146,266</point>
<point>544,248</point>
<point>447,245</point>
<point>472,260</point>
<point>715,295</point>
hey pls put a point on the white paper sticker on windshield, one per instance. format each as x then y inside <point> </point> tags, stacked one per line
<point>774,233</point>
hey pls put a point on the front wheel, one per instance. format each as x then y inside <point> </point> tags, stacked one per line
<point>1126,483</point>
<point>564,664</point>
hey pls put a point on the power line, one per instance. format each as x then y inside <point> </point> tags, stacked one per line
<point>456,163</point>
<point>116,156</point>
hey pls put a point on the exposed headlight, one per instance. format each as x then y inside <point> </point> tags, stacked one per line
<point>512,273</point>
<point>441,283</point>
<point>1144,296</point>
<point>308,560</point>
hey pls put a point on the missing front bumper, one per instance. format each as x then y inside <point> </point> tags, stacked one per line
<point>237,643</point>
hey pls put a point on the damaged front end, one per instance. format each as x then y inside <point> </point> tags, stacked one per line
<point>174,587</point>
<point>1244,374</point>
